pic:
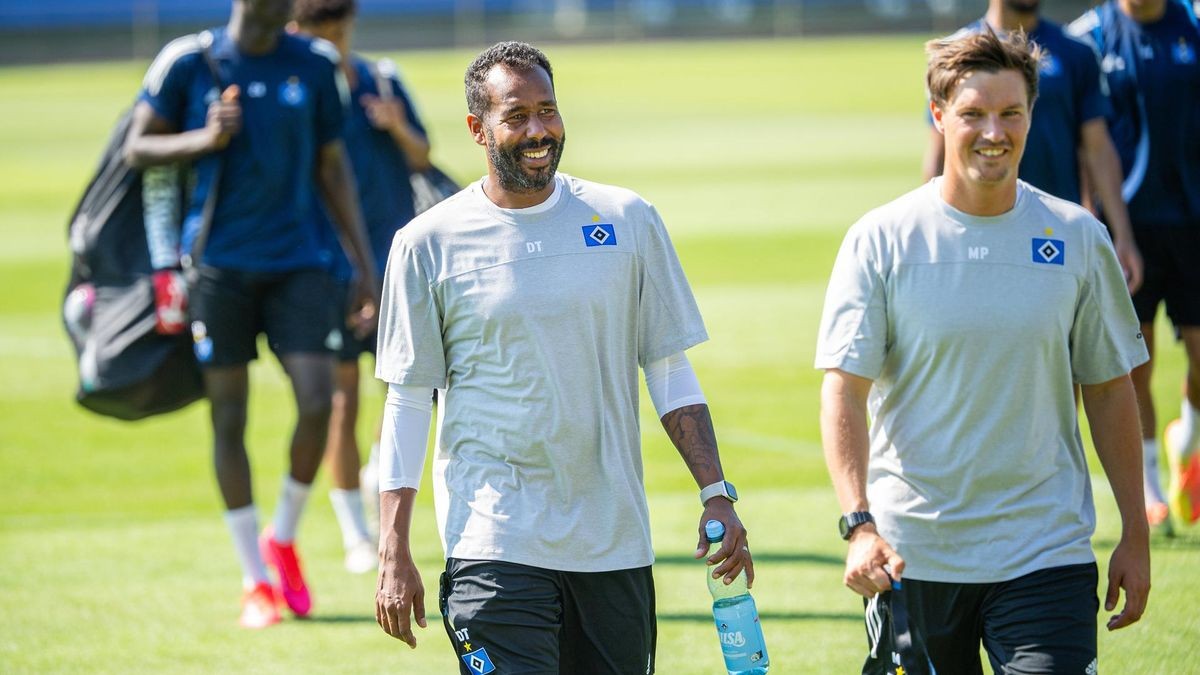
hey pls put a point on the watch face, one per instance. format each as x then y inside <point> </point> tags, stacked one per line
<point>843,527</point>
<point>731,490</point>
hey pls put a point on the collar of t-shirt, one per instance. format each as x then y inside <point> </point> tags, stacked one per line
<point>534,210</point>
<point>968,219</point>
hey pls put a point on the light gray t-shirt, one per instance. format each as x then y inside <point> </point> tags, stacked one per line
<point>535,325</point>
<point>974,330</point>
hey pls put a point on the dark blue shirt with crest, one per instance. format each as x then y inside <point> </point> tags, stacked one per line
<point>1153,73</point>
<point>292,103</point>
<point>380,168</point>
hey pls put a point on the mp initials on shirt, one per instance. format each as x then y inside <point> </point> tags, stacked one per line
<point>977,252</point>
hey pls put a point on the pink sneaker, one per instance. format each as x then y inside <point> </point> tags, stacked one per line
<point>291,580</point>
<point>258,607</point>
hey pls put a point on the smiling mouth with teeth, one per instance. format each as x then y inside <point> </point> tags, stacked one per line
<point>991,152</point>
<point>536,154</point>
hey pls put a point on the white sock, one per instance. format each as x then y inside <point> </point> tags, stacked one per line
<point>1150,481</point>
<point>1189,430</point>
<point>243,525</point>
<point>348,507</point>
<point>292,499</point>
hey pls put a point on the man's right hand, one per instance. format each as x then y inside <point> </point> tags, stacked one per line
<point>400,593</point>
<point>865,561</point>
<point>224,118</point>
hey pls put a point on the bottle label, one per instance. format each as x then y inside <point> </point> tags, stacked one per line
<point>740,635</point>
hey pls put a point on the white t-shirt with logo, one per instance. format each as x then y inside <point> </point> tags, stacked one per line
<point>974,330</point>
<point>535,322</point>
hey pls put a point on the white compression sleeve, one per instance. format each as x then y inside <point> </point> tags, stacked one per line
<point>672,384</point>
<point>406,416</point>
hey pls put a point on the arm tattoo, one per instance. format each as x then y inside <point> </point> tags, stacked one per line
<point>690,428</point>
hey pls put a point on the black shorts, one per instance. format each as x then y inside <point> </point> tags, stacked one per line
<point>229,308</point>
<point>508,618</point>
<point>1172,274</point>
<point>1043,622</point>
<point>352,346</point>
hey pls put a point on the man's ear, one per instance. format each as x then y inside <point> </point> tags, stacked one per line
<point>475,126</point>
<point>936,112</point>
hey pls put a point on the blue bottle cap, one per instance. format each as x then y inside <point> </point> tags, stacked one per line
<point>714,530</point>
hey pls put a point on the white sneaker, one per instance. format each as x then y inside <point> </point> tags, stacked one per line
<point>362,558</point>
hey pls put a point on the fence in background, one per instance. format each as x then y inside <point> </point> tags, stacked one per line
<point>72,30</point>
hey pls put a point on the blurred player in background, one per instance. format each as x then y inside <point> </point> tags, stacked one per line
<point>962,315</point>
<point>531,298</point>
<point>385,141</point>
<point>1068,131</point>
<point>1150,52</point>
<point>260,143</point>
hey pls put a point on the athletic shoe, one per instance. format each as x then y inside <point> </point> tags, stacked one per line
<point>1184,490</point>
<point>258,607</point>
<point>1159,517</point>
<point>361,558</point>
<point>291,580</point>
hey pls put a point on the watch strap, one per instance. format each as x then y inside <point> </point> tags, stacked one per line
<point>717,489</point>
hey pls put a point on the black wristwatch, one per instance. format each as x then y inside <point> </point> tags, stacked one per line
<point>849,521</point>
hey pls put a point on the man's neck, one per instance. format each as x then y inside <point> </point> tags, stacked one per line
<point>979,200</point>
<point>1005,19</point>
<point>1145,12</point>
<point>506,199</point>
<point>250,36</point>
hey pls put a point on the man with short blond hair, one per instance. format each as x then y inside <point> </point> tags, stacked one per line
<point>962,315</point>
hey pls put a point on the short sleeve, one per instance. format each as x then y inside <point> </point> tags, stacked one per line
<point>165,87</point>
<point>332,99</point>
<point>1091,89</point>
<point>854,330</point>
<point>410,110</point>
<point>410,349</point>
<point>668,319</point>
<point>1106,340</point>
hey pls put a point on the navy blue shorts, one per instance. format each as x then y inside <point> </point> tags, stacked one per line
<point>1043,622</point>
<point>507,618</point>
<point>1172,262</point>
<point>229,308</point>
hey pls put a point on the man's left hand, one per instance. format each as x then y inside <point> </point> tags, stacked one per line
<point>384,115</point>
<point>1131,264</point>
<point>1129,568</point>
<point>734,554</point>
<point>363,317</point>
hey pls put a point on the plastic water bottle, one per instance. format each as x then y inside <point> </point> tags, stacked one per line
<point>736,617</point>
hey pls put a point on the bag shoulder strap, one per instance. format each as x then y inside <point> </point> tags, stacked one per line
<point>192,258</point>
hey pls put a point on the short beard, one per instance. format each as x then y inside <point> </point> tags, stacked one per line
<point>507,163</point>
<point>1023,6</point>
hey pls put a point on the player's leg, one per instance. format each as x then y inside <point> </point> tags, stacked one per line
<point>1146,302</point>
<point>1183,435</point>
<point>1043,622</point>
<point>342,460</point>
<point>300,328</point>
<point>502,617</point>
<point>224,331</point>
<point>608,623</point>
<point>946,616</point>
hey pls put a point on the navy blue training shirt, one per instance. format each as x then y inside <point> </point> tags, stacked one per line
<point>292,104</point>
<point>380,167</point>
<point>1153,73</point>
<point>1070,93</point>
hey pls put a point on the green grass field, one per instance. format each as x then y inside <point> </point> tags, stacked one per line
<point>113,555</point>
